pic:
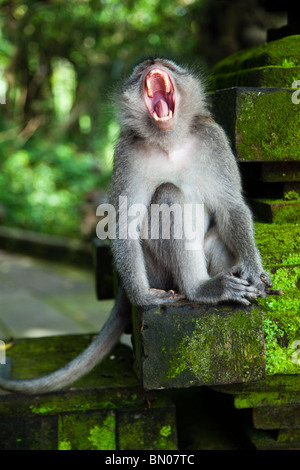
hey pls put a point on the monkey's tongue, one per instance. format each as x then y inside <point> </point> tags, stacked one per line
<point>161,108</point>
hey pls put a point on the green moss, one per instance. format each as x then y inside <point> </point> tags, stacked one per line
<point>87,431</point>
<point>166,431</point>
<point>284,211</point>
<point>219,347</point>
<point>281,322</point>
<point>257,77</point>
<point>282,52</point>
<point>44,409</point>
<point>148,430</point>
<point>288,63</point>
<point>278,244</point>
<point>64,445</point>
<point>267,126</point>
<point>292,196</point>
<point>255,399</point>
<point>101,438</point>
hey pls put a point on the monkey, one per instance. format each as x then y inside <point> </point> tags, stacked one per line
<point>170,152</point>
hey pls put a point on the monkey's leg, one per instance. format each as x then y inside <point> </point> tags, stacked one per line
<point>218,256</point>
<point>236,229</point>
<point>223,285</point>
<point>159,276</point>
<point>205,274</point>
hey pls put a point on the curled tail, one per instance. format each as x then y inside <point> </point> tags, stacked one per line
<point>85,362</point>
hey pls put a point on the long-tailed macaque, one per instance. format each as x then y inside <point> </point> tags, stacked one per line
<point>170,151</point>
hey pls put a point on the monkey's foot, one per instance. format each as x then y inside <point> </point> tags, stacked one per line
<point>228,287</point>
<point>238,290</point>
<point>262,282</point>
<point>166,296</point>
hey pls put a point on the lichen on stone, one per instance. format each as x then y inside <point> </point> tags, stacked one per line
<point>267,126</point>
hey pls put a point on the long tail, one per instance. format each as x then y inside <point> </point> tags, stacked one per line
<point>86,361</point>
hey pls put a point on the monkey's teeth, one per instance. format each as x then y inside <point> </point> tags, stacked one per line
<point>149,90</point>
<point>167,84</point>
<point>165,78</point>
<point>165,118</point>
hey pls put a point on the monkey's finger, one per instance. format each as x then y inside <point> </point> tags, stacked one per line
<point>266,279</point>
<point>244,301</point>
<point>251,295</point>
<point>236,281</point>
<point>274,292</point>
<point>159,291</point>
<point>178,296</point>
<point>243,282</point>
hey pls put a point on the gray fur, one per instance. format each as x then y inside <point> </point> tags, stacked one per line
<point>190,163</point>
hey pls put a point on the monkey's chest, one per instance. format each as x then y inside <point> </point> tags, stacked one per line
<point>171,200</point>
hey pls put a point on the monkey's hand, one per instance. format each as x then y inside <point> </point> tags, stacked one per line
<point>267,290</point>
<point>225,287</point>
<point>261,281</point>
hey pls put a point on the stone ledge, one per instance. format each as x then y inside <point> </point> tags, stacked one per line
<point>41,245</point>
<point>280,53</point>
<point>278,211</point>
<point>190,344</point>
<point>261,123</point>
<point>105,410</point>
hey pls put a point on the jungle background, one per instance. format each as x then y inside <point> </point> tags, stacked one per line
<point>60,65</point>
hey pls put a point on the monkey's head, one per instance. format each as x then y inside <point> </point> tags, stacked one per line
<point>160,98</point>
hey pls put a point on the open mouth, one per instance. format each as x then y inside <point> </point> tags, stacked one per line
<point>159,95</point>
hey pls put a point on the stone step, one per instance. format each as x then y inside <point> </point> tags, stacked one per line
<point>188,344</point>
<point>278,211</point>
<point>262,123</point>
<point>105,410</point>
<point>272,172</point>
<point>271,64</point>
<point>285,439</point>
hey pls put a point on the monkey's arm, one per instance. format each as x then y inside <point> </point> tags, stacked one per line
<point>235,225</point>
<point>232,215</point>
<point>127,248</point>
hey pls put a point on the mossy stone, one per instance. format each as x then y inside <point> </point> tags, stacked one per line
<point>280,249</point>
<point>277,417</point>
<point>189,344</point>
<point>85,416</point>
<point>271,64</point>
<point>148,431</point>
<point>282,52</point>
<point>263,124</point>
<point>87,431</point>
<point>278,211</point>
<point>278,244</point>
<point>267,77</point>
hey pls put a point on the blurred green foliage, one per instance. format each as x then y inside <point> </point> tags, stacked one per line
<point>60,63</point>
